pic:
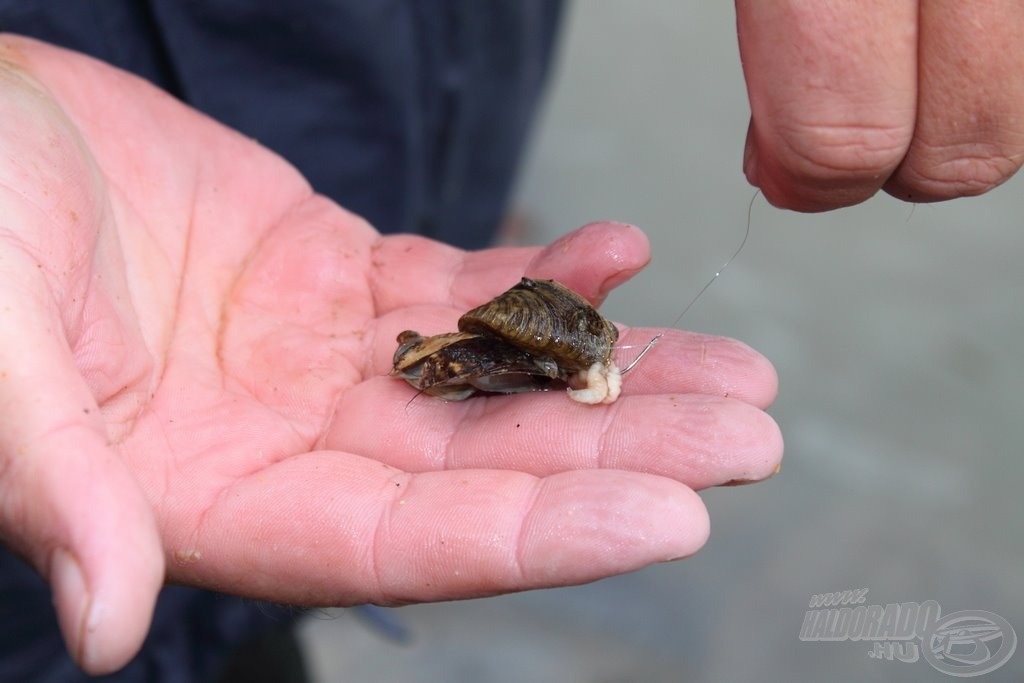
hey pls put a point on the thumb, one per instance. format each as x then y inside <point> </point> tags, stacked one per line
<point>67,501</point>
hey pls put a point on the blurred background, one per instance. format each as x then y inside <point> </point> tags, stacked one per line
<point>896,331</point>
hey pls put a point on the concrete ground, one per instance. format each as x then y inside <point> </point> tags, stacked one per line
<point>896,332</point>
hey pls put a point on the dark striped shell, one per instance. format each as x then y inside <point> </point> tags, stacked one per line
<point>546,319</point>
<point>535,336</point>
<point>456,365</point>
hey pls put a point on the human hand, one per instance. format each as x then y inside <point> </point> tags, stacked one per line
<point>193,386</point>
<point>924,100</point>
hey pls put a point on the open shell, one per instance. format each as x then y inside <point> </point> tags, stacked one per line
<point>545,318</point>
<point>457,365</point>
<point>537,333</point>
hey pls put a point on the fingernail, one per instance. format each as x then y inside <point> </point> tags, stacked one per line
<point>77,615</point>
<point>610,283</point>
<point>750,157</point>
<point>740,482</point>
<point>744,482</point>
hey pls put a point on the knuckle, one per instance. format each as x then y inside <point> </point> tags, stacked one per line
<point>952,171</point>
<point>847,152</point>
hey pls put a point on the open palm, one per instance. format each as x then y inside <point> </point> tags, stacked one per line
<point>193,384</point>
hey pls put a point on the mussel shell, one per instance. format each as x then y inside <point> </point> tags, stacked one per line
<point>545,318</point>
<point>414,348</point>
<point>457,365</point>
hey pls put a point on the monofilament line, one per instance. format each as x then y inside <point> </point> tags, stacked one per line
<point>746,235</point>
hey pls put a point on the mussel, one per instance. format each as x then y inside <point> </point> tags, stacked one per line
<point>534,336</point>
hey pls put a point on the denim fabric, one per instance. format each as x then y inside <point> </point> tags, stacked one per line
<point>411,113</point>
<point>193,632</point>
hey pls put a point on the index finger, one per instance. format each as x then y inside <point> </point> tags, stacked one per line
<point>333,528</point>
<point>406,270</point>
<point>832,90</point>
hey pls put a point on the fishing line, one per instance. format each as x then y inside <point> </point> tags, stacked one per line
<point>743,243</point>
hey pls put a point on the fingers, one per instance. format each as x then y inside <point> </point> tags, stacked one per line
<point>925,100</point>
<point>700,441</point>
<point>692,363</point>
<point>69,505</point>
<point>680,362</point>
<point>969,134</point>
<point>689,411</point>
<point>367,532</point>
<point>832,97</point>
<point>408,270</point>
